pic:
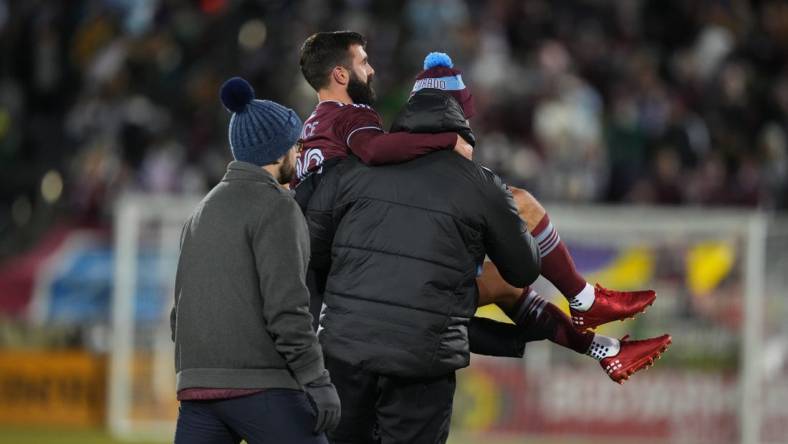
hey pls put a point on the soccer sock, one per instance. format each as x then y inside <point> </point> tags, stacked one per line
<point>583,300</point>
<point>603,347</point>
<point>559,268</point>
<point>516,311</point>
<point>539,319</point>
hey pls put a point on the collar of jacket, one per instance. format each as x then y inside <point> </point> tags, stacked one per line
<point>238,170</point>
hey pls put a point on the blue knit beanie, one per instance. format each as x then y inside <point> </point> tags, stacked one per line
<point>261,131</point>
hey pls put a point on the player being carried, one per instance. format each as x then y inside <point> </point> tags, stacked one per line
<point>336,65</point>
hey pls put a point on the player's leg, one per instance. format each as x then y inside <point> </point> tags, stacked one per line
<point>619,358</point>
<point>538,319</point>
<point>589,306</point>
<point>415,411</point>
<point>493,289</point>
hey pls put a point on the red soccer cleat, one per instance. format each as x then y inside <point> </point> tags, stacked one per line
<point>612,305</point>
<point>634,356</point>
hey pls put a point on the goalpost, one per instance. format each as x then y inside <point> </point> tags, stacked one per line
<point>141,393</point>
<point>506,397</point>
<point>719,297</point>
<point>638,225</point>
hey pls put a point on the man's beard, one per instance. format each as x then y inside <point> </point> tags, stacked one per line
<point>287,171</point>
<point>359,91</point>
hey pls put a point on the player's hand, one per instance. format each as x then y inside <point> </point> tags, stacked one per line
<point>463,148</point>
<point>325,400</point>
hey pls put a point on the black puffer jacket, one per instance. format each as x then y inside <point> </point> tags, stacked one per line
<point>403,244</point>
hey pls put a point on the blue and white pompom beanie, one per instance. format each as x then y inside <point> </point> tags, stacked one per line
<point>439,73</point>
<point>260,131</point>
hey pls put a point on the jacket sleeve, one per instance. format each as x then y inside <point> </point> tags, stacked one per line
<point>507,241</point>
<point>281,251</point>
<point>493,338</point>
<point>174,311</point>
<point>322,224</point>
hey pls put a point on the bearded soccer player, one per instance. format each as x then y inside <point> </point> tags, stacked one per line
<point>336,65</point>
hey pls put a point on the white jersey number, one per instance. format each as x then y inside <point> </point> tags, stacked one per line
<point>309,159</point>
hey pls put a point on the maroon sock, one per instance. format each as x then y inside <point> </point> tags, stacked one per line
<point>540,320</point>
<point>564,333</point>
<point>516,311</point>
<point>557,265</point>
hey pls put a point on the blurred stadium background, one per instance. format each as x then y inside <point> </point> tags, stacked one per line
<point>655,130</point>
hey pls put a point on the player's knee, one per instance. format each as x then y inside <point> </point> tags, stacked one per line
<point>502,294</point>
<point>518,194</point>
<point>525,201</point>
<point>530,210</point>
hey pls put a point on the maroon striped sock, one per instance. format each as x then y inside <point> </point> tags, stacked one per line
<point>557,264</point>
<point>540,320</point>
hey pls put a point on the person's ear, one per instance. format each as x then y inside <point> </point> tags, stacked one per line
<point>340,75</point>
<point>281,159</point>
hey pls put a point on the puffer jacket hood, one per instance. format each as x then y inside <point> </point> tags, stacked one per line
<point>433,111</point>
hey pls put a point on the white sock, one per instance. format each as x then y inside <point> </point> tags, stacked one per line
<point>583,300</point>
<point>603,347</point>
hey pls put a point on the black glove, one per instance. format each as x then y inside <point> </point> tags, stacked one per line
<point>325,400</point>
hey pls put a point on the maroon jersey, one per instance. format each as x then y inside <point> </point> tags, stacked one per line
<point>328,131</point>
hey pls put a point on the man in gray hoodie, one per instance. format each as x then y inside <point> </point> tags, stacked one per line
<point>245,351</point>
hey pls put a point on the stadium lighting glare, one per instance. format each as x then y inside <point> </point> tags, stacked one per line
<point>21,210</point>
<point>252,35</point>
<point>51,186</point>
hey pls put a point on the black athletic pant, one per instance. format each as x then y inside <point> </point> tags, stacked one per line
<point>274,416</point>
<point>390,410</point>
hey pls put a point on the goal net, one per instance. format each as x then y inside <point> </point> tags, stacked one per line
<point>720,278</point>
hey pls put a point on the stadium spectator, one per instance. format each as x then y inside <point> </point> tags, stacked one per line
<point>112,95</point>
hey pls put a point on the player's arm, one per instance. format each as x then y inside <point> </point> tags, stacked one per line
<point>508,243</point>
<point>362,131</point>
<point>375,147</point>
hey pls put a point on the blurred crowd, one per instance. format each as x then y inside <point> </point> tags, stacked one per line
<point>668,102</point>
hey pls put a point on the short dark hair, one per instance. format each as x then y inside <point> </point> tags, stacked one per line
<point>322,51</point>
